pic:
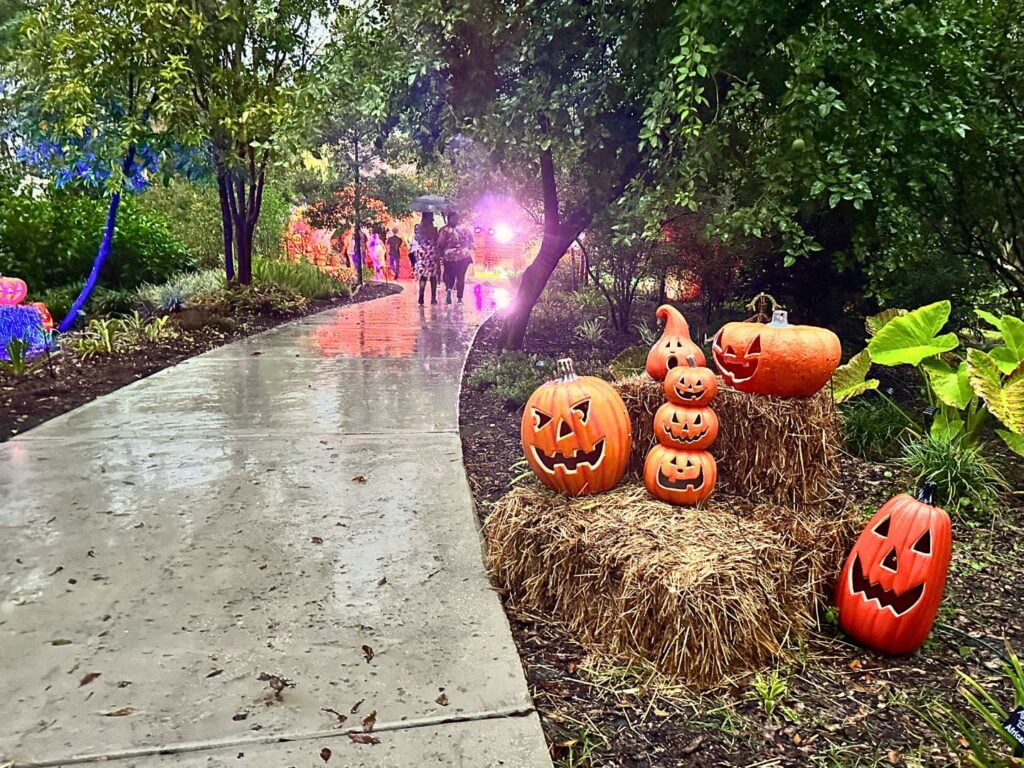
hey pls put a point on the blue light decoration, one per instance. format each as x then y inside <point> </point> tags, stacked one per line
<point>22,322</point>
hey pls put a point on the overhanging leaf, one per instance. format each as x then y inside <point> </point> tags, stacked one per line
<point>875,323</point>
<point>1014,442</point>
<point>950,386</point>
<point>849,380</point>
<point>988,317</point>
<point>1003,396</point>
<point>911,338</point>
<point>1012,329</point>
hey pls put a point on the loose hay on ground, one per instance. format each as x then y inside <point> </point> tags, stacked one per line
<point>779,449</point>
<point>701,594</point>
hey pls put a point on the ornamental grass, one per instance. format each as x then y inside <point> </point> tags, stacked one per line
<point>784,450</point>
<point>702,594</point>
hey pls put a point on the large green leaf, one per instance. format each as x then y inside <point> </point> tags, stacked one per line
<point>875,323</point>
<point>951,387</point>
<point>1012,329</point>
<point>849,380</point>
<point>913,337</point>
<point>1003,396</point>
<point>1013,441</point>
<point>947,425</point>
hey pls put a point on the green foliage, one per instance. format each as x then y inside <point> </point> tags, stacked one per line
<point>192,212</point>
<point>981,731</point>
<point>770,690</point>
<point>631,361</point>
<point>592,330</point>
<point>50,241</point>
<point>872,427</point>
<point>183,290</point>
<point>262,299</point>
<point>18,362</point>
<point>512,377</point>
<point>910,338</point>
<point>103,336</point>
<point>301,278</point>
<point>964,478</point>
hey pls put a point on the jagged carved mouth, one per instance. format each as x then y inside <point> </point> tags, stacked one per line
<point>731,364</point>
<point>685,439</point>
<point>691,484</point>
<point>896,602</point>
<point>571,463</point>
<point>683,395</point>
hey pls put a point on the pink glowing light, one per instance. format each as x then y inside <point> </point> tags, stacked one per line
<point>503,232</point>
<point>502,298</point>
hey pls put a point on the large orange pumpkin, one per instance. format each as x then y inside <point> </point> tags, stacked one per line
<point>576,433</point>
<point>891,585</point>
<point>674,346</point>
<point>777,358</point>
<point>691,429</point>
<point>691,385</point>
<point>12,291</point>
<point>680,477</point>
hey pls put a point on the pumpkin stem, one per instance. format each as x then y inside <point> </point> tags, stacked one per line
<point>780,318</point>
<point>564,369</point>
<point>926,493</point>
<point>691,361</point>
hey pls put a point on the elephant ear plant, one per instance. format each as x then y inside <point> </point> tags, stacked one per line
<point>963,387</point>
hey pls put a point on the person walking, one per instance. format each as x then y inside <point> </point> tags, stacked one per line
<point>455,245</point>
<point>395,243</point>
<point>428,266</point>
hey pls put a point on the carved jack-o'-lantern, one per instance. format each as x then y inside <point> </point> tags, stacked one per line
<point>891,585</point>
<point>692,429</point>
<point>12,291</point>
<point>691,385</point>
<point>674,346</point>
<point>680,477</point>
<point>576,433</point>
<point>777,358</point>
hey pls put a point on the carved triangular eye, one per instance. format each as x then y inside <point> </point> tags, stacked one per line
<point>696,421</point>
<point>583,409</point>
<point>882,529</point>
<point>540,420</point>
<point>755,346</point>
<point>924,544</point>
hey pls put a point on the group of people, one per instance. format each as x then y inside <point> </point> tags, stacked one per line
<point>435,254</point>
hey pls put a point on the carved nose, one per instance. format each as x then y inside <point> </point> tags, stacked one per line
<point>890,563</point>
<point>564,430</point>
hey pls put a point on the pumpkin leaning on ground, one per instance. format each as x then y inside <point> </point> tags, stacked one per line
<point>685,428</point>
<point>576,433</point>
<point>691,385</point>
<point>13,291</point>
<point>776,359</point>
<point>891,585</point>
<point>680,477</point>
<point>674,346</point>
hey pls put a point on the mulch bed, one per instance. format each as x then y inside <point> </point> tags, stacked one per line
<point>842,705</point>
<point>29,400</point>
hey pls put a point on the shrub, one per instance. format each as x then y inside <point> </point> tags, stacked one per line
<point>871,428</point>
<point>299,277</point>
<point>512,377</point>
<point>962,475</point>
<point>50,240</point>
<point>270,300</point>
<point>183,290</point>
<point>593,330</point>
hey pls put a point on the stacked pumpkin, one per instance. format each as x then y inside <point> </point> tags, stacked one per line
<point>679,469</point>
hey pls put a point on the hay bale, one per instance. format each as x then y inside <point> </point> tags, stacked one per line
<point>702,594</point>
<point>780,449</point>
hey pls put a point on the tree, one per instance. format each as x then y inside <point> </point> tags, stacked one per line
<point>886,137</point>
<point>83,103</point>
<point>553,90</point>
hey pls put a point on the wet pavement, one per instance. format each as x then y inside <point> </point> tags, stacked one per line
<point>239,559</point>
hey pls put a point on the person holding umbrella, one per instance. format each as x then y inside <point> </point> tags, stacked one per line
<point>428,266</point>
<point>455,245</point>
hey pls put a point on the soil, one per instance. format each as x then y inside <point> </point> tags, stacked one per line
<point>836,705</point>
<point>68,380</point>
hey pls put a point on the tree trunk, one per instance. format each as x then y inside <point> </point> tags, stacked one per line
<point>223,188</point>
<point>531,285</point>
<point>106,245</point>
<point>357,233</point>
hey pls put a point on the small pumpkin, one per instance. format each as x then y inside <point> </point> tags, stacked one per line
<point>576,433</point>
<point>13,291</point>
<point>44,313</point>
<point>692,429</point>
<point>680,477</point>
<point>691,385</point>
<point>891,585</point>
<point>674,346</point>
<point>776,359</point>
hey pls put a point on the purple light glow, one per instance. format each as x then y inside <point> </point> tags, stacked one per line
<point>503,233</point>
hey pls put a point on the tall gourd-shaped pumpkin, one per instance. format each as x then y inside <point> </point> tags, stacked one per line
<point>776,358</point>
<point>679,470</point>
<point>891,585</point>
<point>576,433</point>
<point>674,346</point>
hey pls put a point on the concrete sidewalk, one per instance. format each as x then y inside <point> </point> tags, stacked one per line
<point>238,559</point>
